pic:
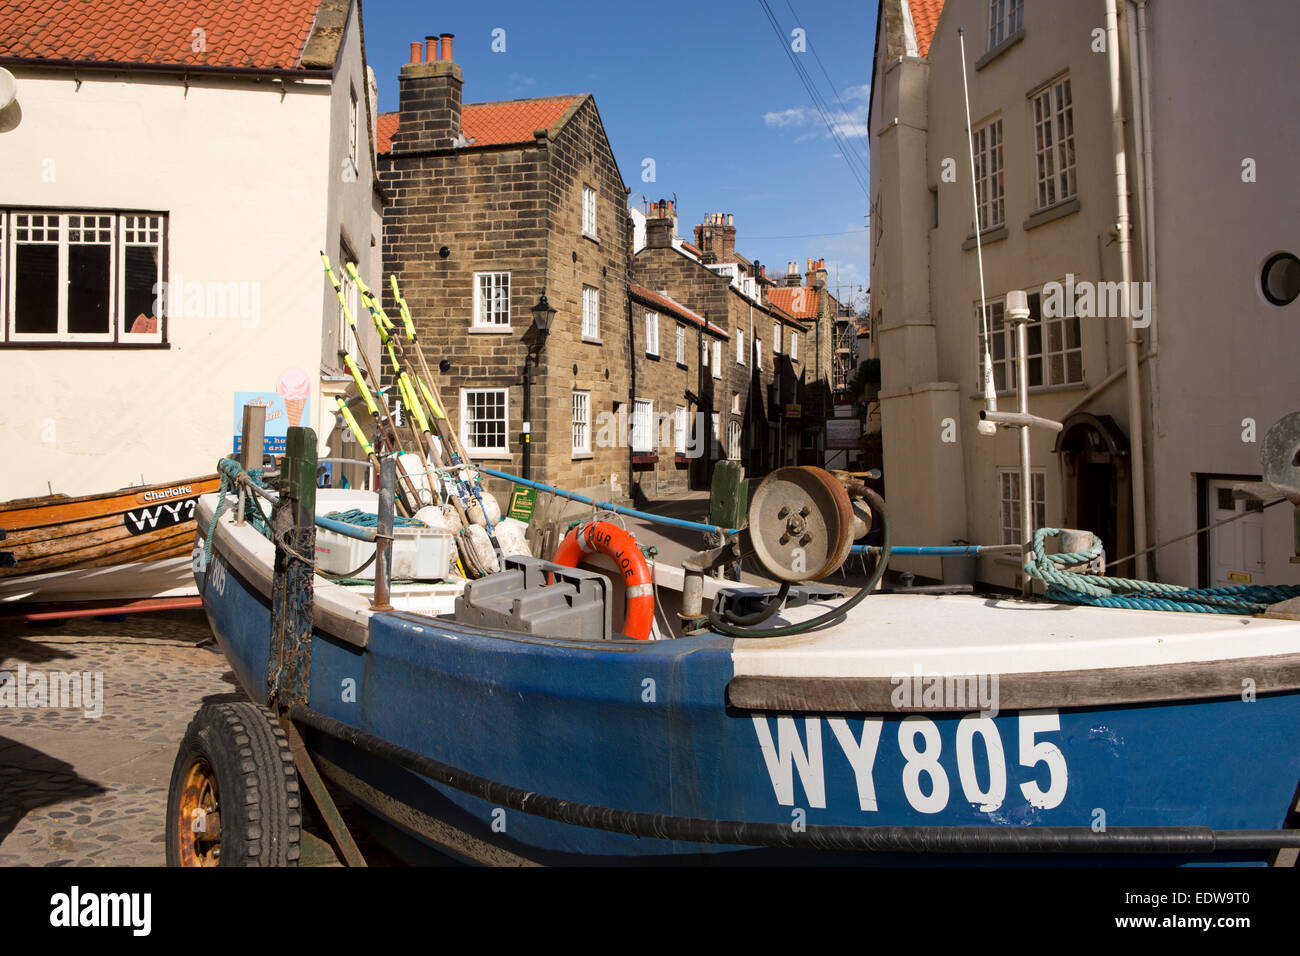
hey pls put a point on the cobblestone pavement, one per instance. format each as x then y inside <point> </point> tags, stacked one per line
<point>84,791</point>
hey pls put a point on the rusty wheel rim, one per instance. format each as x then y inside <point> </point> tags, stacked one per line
<point>199,816</point>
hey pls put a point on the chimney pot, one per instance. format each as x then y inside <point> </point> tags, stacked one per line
<point>415,52</point>
<point>430,49</point>
<point>446,46</point>
<point>729,219</point>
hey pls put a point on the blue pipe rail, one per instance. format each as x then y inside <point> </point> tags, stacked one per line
<point>926,551</point>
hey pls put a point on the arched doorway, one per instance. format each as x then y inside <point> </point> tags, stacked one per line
<point>1095,478</point>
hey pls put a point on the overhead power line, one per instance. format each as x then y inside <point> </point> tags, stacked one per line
<point>818,102</point>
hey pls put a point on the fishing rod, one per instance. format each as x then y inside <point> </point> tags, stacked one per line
<point>461,499</point>
<point>445,448</point>
<point>411,499</point>
<point>433,398</point>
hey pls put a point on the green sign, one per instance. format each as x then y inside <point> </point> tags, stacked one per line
<point>521,504</point>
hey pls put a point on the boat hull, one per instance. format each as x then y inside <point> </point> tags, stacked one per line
<point>646,727</point>
<point>55,540</point>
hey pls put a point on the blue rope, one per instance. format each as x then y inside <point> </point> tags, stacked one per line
<point>364,519</point>
<point>1070,587</point>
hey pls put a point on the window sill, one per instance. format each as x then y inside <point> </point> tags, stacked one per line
<point>581,456</point>
<point>653,356</point>
<point>491,454</point>
<point>998,50</point>
<point>1051,213</point>
<point>683,366</point>
<point>593,341</point>
<point>490,330</point>
<point>591,238</point>
<point>996,234</point>
<point>681,458</point>
<point>644,458</point>
<point>53,344</point>
<point>1035,390</point>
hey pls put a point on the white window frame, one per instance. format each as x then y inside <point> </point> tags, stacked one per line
<point>590,314</point>
<point>794,346</point>
<point>652,334</point>
<point>466,433</point>
<point>1055,355</point>
<point>740,346</point>
<point>347,338</point>
<point>589,211</point>
<point>776,338</point>
<point>681,344</point>
<point>1010,498</point>
<point>480,323</point>
<point>758,354</point>
<point>581,435</point>
<point>679,429</point>
<point>717,436</point>
<point>353,129</point>
<point>734,432</point>
<point>116,230</point>
<point>1005,18</point>
<point>1055,163</point>
<point>717,358</point>
<point>990,175</point>
<point>641,436</point>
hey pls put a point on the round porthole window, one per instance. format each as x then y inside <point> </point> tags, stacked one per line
<point>1279,280</point>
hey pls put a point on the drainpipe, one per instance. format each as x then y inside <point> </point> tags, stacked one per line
<point>631,404</point>
<point>1148,183</point>
<point>1134,342</point>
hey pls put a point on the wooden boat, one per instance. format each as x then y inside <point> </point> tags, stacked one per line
<point>52,541</point>
<point>1111,735</point>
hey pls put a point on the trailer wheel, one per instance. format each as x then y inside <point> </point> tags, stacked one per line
<point>234,797</point>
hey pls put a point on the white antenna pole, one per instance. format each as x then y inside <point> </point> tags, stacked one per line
<point>990,390</point>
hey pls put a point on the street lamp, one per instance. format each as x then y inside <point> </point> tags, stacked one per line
<point>543,316</point>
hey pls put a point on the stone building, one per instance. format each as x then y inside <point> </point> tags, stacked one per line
<point>1115,158</point>
<point>741,388</point>
<point>491,206</point>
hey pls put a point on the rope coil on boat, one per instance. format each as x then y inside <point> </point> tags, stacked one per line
<point>1097,590</point>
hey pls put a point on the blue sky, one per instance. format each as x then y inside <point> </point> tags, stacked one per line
<point>706,90</point>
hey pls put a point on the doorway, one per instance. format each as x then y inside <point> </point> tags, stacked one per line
<point>1095,481</point>
<point>1234,553</point>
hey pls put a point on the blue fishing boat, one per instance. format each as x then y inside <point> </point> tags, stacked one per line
<point>506,720</point>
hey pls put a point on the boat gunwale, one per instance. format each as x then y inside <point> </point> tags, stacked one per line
<point>1029,690</point>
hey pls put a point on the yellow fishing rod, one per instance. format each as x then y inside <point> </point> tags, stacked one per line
<point>411,497</point>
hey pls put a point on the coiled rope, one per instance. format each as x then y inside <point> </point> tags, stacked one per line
<point>1070,587</point>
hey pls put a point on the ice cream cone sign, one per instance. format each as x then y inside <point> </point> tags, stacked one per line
<point>295,388</point>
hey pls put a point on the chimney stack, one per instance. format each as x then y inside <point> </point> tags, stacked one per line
<point>792,277</point>
<point>659,231</point>
<point>430,98</point>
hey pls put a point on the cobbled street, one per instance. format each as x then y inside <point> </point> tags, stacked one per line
<point>92,791</point>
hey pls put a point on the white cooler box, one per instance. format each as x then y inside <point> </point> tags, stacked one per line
<point>418,553</point>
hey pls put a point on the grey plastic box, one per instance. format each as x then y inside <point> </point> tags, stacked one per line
<point>518,599</point>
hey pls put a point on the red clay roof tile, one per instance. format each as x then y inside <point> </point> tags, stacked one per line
<point>252,34</point>
<point>493,124</point>
<point>925,18</point>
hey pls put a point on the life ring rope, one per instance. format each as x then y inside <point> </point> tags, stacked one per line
<point>619,546</point>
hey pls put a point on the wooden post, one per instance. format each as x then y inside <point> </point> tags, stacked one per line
<point>250,448</point>
<point>293,529</point>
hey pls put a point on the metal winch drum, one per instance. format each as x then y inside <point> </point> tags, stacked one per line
<point>801,524</point>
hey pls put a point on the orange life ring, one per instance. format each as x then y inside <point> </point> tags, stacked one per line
<point>618,545</point>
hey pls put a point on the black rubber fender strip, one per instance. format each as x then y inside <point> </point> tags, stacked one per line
<point>885,839</point>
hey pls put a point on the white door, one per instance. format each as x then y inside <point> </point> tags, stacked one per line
<point>1237,548</point>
